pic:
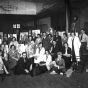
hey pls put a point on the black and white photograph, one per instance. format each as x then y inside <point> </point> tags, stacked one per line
<point>43,43</point>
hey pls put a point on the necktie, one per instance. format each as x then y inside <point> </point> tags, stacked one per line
<point>73,43</point>
<point>81,36</point>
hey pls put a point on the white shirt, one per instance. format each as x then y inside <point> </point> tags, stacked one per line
<point>1,63</point>
<point>0,41</point>
<point>84,38</point>
<point>39,54</point>
<point>46,59</point>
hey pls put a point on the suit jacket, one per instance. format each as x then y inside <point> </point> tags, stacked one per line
<point>68,50</point>
<point>55,50</point>
<point>46,43</point>
<point>21,65</point>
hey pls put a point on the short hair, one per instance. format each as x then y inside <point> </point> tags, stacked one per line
<point>83,29</point>
<point>24,53</point>
<point>39,35</point>
<point>12,46</point>
<point>15,38</point>
<point>65,43</point>
<point>59,53</point>
<point>73,32</point>
<point>65,34</point>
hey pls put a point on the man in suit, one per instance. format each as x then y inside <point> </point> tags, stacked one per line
<point>46,42</point>
<point>22,65</point>
<point>54,50</point>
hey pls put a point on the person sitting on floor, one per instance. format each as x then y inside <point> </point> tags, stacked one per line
<point>22,65</point>
<point>40,51</point>
<point>67,55</point>
<point>45,61</point>
<point>58,66</point>
<point>43,65</point>
<point>13,57</point>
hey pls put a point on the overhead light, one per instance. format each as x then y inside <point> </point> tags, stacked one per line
<point>8,7</point>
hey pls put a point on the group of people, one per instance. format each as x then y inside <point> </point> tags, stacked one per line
<point>38,54</point>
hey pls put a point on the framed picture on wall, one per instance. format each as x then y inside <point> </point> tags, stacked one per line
<point>23,35</point>
<point>1,35</point>
<point>36,32</point>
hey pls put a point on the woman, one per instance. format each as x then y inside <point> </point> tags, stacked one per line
<point>13,57</point>
<point>29,48</point>
<point>38,39</point>
<point>58,66</point>
<point>67,55</point>
<point>14,42</point>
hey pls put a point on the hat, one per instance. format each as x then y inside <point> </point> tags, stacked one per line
<point>59,53</point>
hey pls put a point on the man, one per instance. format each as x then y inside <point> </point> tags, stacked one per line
<point>22,65</point>
<point>54,50</point>
<point>74,43</point>
<point>58,41</point>
<point>84,40</point>
<point>46,42</point>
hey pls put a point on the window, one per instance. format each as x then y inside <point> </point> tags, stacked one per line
<point>16,25</point>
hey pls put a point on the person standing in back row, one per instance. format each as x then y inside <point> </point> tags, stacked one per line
<point>74,43</point>
<point>84,40</point>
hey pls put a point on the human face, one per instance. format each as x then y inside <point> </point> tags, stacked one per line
<point>13,39</point>
<point>30,38</point>
<point>59,57</point>
<point>47,52</point>
<point>44,34</point>
<point>64,35</point>
<point>72,34</point>
<point>4,43</point>
<point>13,47</point>
<point>82,31</point>
<point>24,55</point>
<point>65,45</point>
<point>40,45</point>
<point>54,43</point>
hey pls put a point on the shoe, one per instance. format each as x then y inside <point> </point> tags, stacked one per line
<point>53,72</point>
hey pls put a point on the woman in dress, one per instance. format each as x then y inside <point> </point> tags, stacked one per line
<point>13,57</point>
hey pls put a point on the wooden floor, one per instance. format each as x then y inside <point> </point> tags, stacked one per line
<point>77,80</point>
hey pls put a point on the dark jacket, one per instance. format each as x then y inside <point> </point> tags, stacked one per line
<point>21,66</point>
<point>46,43</point>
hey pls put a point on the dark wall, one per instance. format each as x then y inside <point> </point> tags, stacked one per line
<point>58,21</point>
<point>7,21</point>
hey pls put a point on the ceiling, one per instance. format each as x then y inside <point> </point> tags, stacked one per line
<point>23,8</point>
<point>29,7</point>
